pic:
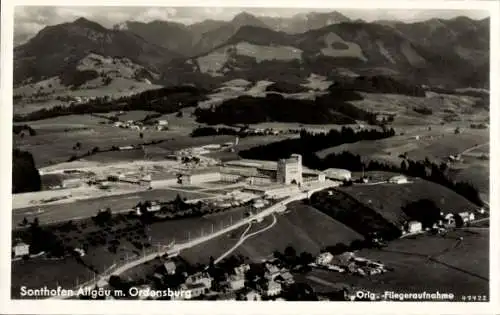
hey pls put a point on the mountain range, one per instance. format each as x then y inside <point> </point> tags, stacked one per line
<point>451,52</point>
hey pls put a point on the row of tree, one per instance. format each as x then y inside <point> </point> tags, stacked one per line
<point>164,100</point>
<point>309,143</point>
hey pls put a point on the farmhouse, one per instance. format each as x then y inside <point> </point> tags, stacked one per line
<point>20,249</point>
<point>253,296</point>
<point>467,216</point>
<point>169,267</point>
<point>236,282</point>
<point>324,258</point>
<point>273,288</point>
<point>201,277</point>
<point>272,271</point>
<point>414,227</point>
<point>399,179</point>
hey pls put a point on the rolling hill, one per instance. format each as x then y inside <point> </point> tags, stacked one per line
<point>60,47</point>
<point>92,76</point>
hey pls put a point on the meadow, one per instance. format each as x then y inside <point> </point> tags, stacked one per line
<point>425,263</point>
<point>388,199</point>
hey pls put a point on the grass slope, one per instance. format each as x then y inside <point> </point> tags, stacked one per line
<point>388,199</point>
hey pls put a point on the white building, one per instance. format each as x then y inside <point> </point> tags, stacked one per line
<point>324,258</point>
<point>21,249</point>
<point>414,227</point>
<point>272,272</point>
<point>72,182</point>
<point>273,288</point>
<point>467,216</point>
<point>290,170</point>
<point>399,179</point>
<point>236,282</point>
<point>253,296</point>
<point>163,180</point>
<point>199,178</point>
<point>200,277</point>
<point>170,267</point>
<point>338,174</point>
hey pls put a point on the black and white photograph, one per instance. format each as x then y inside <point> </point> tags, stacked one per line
<point>249,153</point>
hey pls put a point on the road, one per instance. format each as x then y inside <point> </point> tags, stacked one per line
<point>103,281</point>
<point>244,237</point>
<point>473,148</point>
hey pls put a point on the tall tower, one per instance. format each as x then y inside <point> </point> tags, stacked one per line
<point>290,170</point>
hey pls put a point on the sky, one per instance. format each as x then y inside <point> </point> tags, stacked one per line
<point>28,20</point>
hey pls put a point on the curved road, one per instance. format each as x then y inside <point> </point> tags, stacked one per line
<point>244,237</point>
<point>473,148</point>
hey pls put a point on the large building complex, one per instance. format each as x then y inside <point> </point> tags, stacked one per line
<point>290,170</point>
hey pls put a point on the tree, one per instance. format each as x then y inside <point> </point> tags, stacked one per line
<point>404,166</point>
<point>25,175</point>
<point>25,221</point>
<point>424,211</point>
<point>290,252</point>
<point>179,114</point>
<point>141,135</point>
<point>337,249</point>
<point>459,221</point>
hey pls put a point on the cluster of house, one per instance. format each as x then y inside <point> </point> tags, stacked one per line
<point>447,221</point>
<point>349,262</point>
<point>139,126</point>
<point>202,284</point>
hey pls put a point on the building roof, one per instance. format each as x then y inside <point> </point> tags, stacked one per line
<point>207,170</point>
<point>398,177</point>
<point>169,265</point>
<point>337,171</point>
<point>191,286</point>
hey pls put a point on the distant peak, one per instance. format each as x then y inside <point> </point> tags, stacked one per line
<point>83,22</point>
<point>243,15</point>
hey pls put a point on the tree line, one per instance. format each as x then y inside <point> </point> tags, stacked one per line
<point>164,100</point>
<point>310,142</point>
<point>332,108</point>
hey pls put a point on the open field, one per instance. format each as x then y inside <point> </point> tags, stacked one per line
<point>436,144</point>
<point>86,208</point>
<point>56,137</point>
<point>461,108</point>
<point>458,267</point>
<point>388,199</point>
